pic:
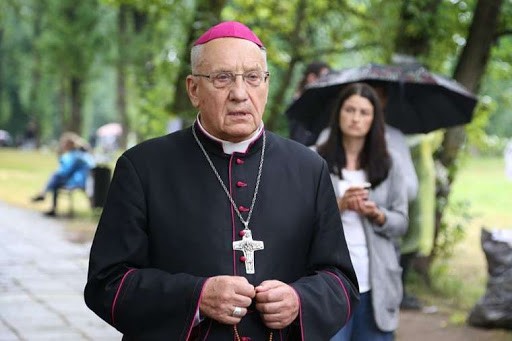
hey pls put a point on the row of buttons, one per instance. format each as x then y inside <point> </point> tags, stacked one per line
<point>241,233</point>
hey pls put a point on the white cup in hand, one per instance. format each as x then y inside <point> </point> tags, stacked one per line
<point>343,185</point>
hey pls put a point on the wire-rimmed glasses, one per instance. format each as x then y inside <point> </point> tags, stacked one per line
<point>224,79</point>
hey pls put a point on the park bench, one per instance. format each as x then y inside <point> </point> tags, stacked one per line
<point>96,188</point>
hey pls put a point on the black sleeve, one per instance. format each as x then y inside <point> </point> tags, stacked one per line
<point>330,295</point>
<point>122,288</point>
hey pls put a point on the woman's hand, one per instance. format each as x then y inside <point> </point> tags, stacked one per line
<point>370,210</point>
<point>352,199</point>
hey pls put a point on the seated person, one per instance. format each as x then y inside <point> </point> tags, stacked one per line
<point>75,163</point>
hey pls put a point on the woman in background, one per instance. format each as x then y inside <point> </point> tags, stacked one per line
<point>75,163</point>
<point>372,200</point>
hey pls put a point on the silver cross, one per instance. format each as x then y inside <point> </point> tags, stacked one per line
<point>248,246</point>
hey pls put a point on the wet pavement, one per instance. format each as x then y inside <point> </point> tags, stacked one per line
<point>42,276</point>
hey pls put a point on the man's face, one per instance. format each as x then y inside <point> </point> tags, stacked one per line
<point>234,112</point>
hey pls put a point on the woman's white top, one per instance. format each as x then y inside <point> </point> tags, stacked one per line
<point>354,231</point>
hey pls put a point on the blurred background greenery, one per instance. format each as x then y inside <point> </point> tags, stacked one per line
<point>75,65</point>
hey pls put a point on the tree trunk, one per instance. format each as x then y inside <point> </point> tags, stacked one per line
<point>34,95</point>
<point>75,123</point>
<point>278,100</point>
<point>61,119</point>
<point>469,71</point>
<point>471,67</point>
<point>207,14</point>
<point>18,116</point>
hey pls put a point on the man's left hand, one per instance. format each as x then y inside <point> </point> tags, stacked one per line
<point>277,302</point>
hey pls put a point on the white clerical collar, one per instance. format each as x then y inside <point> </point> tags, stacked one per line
<point>232,147</point>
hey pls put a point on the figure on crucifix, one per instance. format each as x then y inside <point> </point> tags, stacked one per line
<point>247,245</point>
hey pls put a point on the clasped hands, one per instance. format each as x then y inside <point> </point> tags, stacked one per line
<point>277,302</point>
<point>355,199</point>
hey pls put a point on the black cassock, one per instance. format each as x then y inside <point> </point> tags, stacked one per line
<point>168,225</point>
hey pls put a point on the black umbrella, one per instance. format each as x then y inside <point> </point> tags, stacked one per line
<point>419,101</point>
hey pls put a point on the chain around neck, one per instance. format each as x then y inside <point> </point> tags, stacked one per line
<point>256,187</point>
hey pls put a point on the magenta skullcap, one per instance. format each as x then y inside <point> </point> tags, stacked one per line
<point>226,29</point>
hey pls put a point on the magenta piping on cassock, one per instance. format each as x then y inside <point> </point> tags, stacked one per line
<point>233,223</point>
<point>344,291</point>
<point>300,316</point>
<point>117,294</point>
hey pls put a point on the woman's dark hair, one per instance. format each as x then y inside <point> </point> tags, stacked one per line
<point>374,158</point>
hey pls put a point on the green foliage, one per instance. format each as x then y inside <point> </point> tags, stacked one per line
<point>43,43</point>
<point>476,129</point>
<point>486,138</point>
<point>449,31</point>
<point>497,84</point>
<point>452,231</point>
<point>70,39</point>
<point>15,63</point>
<point>451,287</point>
<point>152,51</point>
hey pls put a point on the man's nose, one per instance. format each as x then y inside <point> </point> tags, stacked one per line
<point>238,90</point>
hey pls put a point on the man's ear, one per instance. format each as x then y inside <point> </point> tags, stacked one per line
<point>192,89</point>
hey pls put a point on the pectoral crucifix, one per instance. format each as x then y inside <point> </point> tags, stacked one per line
<point>247,245</point>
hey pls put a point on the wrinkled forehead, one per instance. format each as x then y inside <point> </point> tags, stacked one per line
<point>229,54</point>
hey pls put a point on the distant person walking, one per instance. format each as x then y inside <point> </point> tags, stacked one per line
<point>75,163</point>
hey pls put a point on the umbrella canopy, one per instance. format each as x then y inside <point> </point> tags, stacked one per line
<point>419,101</point>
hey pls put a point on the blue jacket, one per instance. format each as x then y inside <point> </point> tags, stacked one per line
<point>74,168</point>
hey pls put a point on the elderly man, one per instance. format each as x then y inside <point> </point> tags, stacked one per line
<point>222,231</point>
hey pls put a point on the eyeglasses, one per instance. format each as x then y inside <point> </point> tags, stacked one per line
<point>224,79</point>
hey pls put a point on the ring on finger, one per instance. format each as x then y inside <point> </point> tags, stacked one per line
<point>237,312</point>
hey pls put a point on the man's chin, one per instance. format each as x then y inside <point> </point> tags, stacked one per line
<point>240,133</point>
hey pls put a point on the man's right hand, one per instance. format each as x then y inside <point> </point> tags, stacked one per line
<point>222,294</point>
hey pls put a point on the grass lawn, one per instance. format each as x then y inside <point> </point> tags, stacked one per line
<point>24,173</point>
<point>482,182</point>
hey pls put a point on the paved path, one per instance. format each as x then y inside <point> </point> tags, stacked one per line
<point>418,326</point>
<point>42,276</point>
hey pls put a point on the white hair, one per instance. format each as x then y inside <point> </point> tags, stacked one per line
<point>196,56</point>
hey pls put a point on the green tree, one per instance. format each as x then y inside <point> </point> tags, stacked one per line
<point>15,44</point>
<point>298,32</point>
<point>469,71</point>
<point>71,42</point>
<point>147,58</point>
